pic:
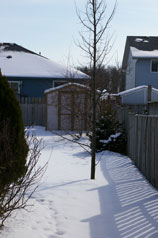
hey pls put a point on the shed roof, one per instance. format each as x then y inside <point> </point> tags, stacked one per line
<point>17,61</point>
<point>77,85</point>
<point>132,90</point>
<point>136,89</point>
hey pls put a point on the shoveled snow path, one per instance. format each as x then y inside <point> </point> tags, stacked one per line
<point>120,203</point>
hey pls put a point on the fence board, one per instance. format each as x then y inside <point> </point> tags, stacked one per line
<point>152,155</point>
<point>156,156</point>
<point>139,144</point>
<point>33,111</point>
<point>143,145</point>
<point>148,150</point>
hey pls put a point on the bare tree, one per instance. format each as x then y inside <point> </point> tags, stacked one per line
<point>95,43</point>
<point>108,78</point>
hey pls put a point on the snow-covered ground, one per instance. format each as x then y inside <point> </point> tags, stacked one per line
<point>67,204</point>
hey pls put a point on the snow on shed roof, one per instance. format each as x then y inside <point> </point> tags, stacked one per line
<point>17,61</point>
<point>136,89</point>
<point>132,90</point>
<point>64,86</point>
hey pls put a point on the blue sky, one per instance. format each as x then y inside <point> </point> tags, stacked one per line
<point>50,26</point>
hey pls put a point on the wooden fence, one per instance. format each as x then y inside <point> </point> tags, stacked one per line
<point>33,111</point>
<point>124,110</point>
<point>143,145</point>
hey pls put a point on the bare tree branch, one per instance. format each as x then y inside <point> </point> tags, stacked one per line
<point>93,20</point>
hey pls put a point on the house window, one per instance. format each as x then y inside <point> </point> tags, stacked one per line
<point>15,85</point>
<point>154,66</point>
<point>58,83</point>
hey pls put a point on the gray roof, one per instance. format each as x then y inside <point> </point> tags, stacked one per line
<point>17,61</point>
<point>15,47</point>
<point>145,43</point>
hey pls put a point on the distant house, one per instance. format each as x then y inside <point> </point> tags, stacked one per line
<point>30,74</point>
<point>140,61</point>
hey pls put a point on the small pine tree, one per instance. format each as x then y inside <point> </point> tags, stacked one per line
<point>118,142</point>
<point>13,146</point>
<point>110,134</point>
<point>105,126</point>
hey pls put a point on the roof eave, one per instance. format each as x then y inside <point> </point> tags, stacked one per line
<point>125,55</point>
<point>144,57</point>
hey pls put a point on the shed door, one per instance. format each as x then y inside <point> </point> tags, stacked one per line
<point>72,109</point>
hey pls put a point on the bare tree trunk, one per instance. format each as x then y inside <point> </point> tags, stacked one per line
<point>93,155</point>
<point>96,48</point>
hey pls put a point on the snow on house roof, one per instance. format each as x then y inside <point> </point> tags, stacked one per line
<point>17,61</point>
<point>141,40</point>
<point>145,43</point>
<point>143,54</point>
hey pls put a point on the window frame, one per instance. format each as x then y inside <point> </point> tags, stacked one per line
<point>153,60</point>
<point>15,82</point>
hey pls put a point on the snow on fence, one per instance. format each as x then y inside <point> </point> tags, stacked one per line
<point>33,110</point>
<point>143,145</point>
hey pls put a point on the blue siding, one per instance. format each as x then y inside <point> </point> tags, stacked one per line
<point>143,74</point>
<point>33,87</point>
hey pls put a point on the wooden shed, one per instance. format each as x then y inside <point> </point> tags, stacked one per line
<point>67,107</point>
<point>139,95</point>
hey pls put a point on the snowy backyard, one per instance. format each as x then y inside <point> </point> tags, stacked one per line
<point>120,203</point>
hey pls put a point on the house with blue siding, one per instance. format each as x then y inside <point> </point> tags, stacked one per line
<point>30,74</point>
<point>140,61</point>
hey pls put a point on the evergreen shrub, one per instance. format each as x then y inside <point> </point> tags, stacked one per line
<point>13,146</point>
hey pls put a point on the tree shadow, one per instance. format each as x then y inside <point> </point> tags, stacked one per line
<point>82,154</point>
<point>128,203</point>
<point>60,185</point>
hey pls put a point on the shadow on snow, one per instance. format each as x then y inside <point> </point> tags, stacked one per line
<point>128,204</point>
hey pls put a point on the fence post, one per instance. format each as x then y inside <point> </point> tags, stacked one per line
<point>149,93</point>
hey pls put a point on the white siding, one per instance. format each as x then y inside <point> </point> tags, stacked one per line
<point>136,97</point>
<point>130,72</point>
<point>52,111</point>
<point>154,95</point>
